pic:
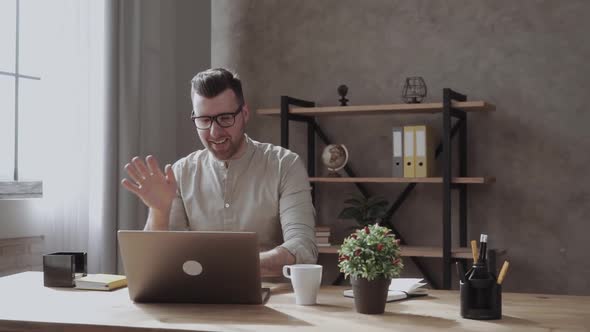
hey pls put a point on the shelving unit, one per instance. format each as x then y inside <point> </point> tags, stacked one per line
<point>427,108</point>
<point>415,251</point>
<point>455,180</point>
<point>454,105</point>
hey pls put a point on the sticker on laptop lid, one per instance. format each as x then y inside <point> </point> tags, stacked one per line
<point>192,268</point>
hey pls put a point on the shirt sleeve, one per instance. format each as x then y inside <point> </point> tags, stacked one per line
<point>297,213</point>
<point>178,218</point>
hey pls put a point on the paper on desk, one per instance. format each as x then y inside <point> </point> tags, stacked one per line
<point>407,285</point>
<point>400,288</point>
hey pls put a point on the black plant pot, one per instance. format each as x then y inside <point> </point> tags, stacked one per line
<point>370,297</point>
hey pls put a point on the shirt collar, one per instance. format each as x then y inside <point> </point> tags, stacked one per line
<point>244,158</point>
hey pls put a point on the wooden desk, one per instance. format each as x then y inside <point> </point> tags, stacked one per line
<point>26,305</point>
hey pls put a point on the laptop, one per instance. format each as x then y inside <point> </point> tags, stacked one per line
<point>192,267</point>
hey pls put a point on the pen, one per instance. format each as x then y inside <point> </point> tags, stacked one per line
<point>460,271</point>
<point>483,242</point>
<point>474,250</point>
<point>503,271</point>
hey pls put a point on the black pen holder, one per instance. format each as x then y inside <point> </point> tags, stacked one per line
<point>481,299</point>
<point>60,268</point>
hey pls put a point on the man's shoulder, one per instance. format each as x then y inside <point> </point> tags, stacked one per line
<point>282,164</point>
<point>274,153</point>
<point>190,161</point>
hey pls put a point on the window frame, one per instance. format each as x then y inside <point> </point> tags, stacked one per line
<point>18,189</point>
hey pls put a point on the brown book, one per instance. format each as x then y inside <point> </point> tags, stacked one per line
<point>322,240</point>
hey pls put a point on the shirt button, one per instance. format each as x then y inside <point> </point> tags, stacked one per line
<point>226,205</point>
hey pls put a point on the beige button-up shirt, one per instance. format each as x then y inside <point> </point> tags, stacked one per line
<point>266,191</point>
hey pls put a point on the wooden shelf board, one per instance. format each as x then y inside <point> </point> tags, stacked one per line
<point>414,251</point>
<point>468,106</point>
<point>458,180</point>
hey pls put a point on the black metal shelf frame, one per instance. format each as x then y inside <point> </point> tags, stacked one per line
<point>450,130</point>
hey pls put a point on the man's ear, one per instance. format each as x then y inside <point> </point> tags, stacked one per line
<point>246,112</point>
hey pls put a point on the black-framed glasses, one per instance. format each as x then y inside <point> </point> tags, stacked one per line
<point>224,120</point>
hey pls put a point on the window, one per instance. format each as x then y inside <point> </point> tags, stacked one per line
<point>51,71</point>
<point>11,91</point>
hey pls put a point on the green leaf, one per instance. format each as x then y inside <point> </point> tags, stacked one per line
<point>381,204</point>
<point>353,201</point>
<point>371,263</point>
<point>375,200</point>
<point>376,213</point>
<point>360,198</point>
<point>350,213</point>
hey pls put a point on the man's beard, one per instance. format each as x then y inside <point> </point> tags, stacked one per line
<point>228,153</point>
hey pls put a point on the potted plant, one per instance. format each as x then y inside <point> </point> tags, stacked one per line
<point>370,257</point>
<point>365,210</point>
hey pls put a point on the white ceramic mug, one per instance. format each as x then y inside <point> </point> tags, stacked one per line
<point>306,280</point>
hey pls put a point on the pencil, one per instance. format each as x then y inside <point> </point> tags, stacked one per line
<point>474,250</point>
<point>503,271</point>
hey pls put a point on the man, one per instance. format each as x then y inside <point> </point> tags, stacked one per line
<point>234,184</point>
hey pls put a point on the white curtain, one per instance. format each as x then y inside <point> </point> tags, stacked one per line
<point>63,119</point>
<point>146,105</point>
<point>105,95</point>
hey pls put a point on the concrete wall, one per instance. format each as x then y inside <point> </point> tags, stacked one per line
<point>527,57</point>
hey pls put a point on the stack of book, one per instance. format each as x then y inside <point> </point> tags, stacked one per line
<point>322,236</point>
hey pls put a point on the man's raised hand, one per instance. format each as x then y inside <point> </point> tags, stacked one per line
<point>157,190</point>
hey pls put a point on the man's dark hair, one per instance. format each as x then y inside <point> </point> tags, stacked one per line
<point>212,82</point>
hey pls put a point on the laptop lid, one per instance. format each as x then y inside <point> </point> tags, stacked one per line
<point>195,267</point>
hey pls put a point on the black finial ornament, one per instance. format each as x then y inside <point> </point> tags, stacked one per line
<point>342,91</point>
<point>414,90</point>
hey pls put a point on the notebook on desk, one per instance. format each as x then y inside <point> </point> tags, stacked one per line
<point>401,288</point>
<point>102,282</point>
<point>193,267</point>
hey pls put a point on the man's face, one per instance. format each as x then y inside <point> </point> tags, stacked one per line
<point>224,143</point>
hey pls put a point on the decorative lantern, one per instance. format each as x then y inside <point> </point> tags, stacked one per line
<point>414,90</point>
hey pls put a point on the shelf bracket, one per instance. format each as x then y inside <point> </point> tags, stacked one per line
<point>448,111</point>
